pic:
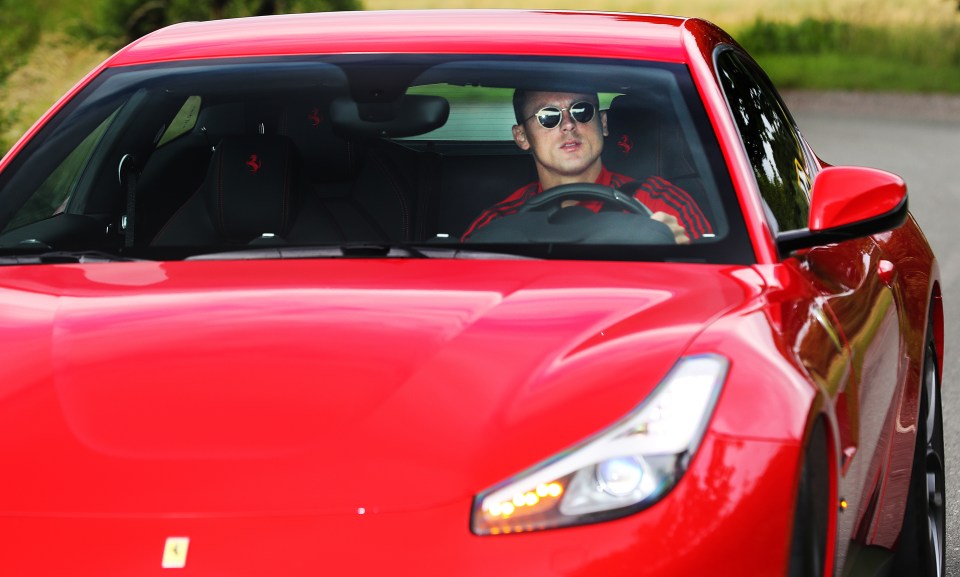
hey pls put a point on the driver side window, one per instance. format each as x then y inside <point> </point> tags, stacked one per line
<point>770,140</point>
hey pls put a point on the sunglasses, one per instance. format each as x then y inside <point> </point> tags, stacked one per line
<point>551,116</point>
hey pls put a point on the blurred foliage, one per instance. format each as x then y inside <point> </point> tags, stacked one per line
<point>20,23</point>
<point>8,120</point>
<point>835,54</point>
<point>98,25</point>
<point>117,22</point>
<point>835,71</point>
<point>924,44</point>
<point>808,36</point>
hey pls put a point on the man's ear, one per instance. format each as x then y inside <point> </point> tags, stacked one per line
<point>603,122</point>
<point>520,137</point>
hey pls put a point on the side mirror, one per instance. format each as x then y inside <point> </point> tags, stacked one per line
<point>849,202</point>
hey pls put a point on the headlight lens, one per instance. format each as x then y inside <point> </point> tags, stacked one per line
<point>622,470</point>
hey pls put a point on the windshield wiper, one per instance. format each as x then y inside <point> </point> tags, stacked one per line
<point>365,250</point>
<point>377,250</point>
<point>61,257</point>
<point>353,250</point>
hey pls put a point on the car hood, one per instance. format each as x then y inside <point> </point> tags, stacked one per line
<point>324,386</point>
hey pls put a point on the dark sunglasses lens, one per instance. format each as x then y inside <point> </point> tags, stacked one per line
<point>582,112</point>
<point>549,117</point>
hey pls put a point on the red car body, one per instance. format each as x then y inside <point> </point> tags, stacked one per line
<point>334,416</point>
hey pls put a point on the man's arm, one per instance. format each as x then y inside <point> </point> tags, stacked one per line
<point>509,205</point>
<point>674,207</point>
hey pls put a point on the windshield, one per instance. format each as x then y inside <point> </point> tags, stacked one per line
<point>512,156</point>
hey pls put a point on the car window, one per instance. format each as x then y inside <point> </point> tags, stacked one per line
<point>770,139</point>
<point>653,136</point>
<point>53,194</point>
<point>374,149</point>
<point>183,122</point>
<point>478,113</point>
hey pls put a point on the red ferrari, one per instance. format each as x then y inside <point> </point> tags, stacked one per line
<point>458,293</point>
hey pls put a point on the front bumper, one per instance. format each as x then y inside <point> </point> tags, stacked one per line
<point>731,514</point>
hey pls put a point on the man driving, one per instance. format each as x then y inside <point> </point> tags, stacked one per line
<point>564,131</point>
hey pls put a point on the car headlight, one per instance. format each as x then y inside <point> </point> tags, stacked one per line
<point>620,471</point>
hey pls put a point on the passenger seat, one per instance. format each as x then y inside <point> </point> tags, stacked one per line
<point>352,190</point>
<point>249,193</point>
<point>645,139</point>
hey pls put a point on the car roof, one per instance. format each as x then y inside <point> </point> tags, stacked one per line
<point>534,32</point>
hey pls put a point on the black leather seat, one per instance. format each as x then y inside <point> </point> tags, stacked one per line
<point>469,184</point>
<point>352,190</point>
<point>642,141</point>
<point>645,139</point>
<point>249,192</point>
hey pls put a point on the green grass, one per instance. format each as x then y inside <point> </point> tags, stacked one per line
<point>727,13</point>
<point>887,45</point>
<point>835,54</point>
<point>831,71</point>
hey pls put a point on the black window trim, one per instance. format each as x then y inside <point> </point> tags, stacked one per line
<point>812,162</point>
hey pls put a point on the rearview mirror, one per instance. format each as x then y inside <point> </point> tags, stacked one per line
<point>411,115</point>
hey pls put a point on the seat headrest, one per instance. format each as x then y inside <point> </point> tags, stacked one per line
<point>327,157</point>
<point>644,140</point>
<point>250,187</point>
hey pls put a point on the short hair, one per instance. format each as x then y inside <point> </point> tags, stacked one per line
<point>519,99</point>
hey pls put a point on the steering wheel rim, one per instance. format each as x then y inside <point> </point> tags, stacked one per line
<point>585,191</point>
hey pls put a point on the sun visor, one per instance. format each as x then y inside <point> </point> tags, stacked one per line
<point>411,115</point>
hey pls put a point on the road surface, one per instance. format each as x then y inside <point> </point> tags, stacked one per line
<point>917,137</point>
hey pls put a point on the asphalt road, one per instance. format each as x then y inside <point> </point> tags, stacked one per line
<point>919,139</point>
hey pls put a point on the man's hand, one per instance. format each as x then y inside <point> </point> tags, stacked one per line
<point>679,234</point>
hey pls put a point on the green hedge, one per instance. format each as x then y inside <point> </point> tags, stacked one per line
<point>20,26</point>
<point>828,54</point>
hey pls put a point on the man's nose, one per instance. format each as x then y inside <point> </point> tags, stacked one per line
<point>566,120</point>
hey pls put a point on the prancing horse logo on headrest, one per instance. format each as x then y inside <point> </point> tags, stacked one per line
<point>625,145</point>
<point>253,163</point>
<point>315,117</point>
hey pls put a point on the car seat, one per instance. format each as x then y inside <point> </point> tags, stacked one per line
<point>645,139</point>
<point>249,193</point>
<point>352,189</point>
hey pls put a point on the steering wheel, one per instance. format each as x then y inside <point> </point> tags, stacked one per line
<point>585,191</point>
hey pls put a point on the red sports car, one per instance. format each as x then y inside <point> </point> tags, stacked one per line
<point>458,293</point>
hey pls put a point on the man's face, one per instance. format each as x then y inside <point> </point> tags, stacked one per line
<point>569,152</point>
